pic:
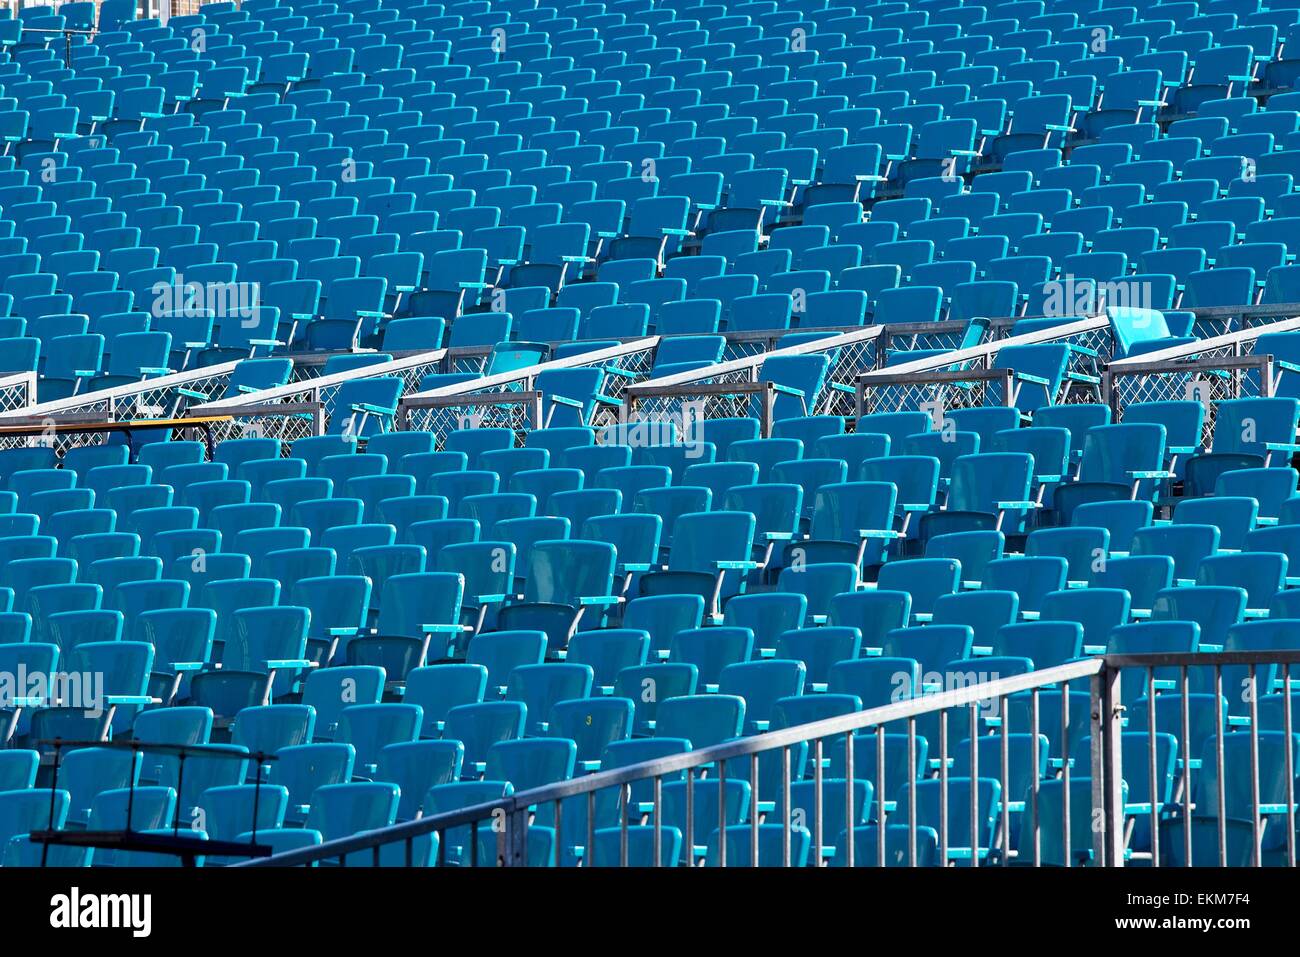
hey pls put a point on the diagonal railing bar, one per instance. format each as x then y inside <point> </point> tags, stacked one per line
<point>960,377</point>
<point>731,750</point>
<point>132,400</point>
<point>508,399</point>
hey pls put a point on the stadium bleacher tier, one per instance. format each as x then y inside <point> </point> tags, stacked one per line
<point>915,265</point>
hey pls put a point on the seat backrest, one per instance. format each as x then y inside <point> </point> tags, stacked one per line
<point>1131,326</point>
<point>807,373</point>
<point>1111,452</point>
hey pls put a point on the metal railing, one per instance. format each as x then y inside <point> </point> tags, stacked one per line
<point>1186,798</point>
<point>959,378</point>
<point>301,408</point>
<point>163,397</point>
<point>509,399</point>
<point>17,392</point>
<point>512,813</point>
<point>1206,371</point>
<point>733,387</point>
<point>1211,322</point>
<point>1101,836</point>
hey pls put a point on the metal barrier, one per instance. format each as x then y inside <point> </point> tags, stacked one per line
<point>959,379</point>
<point>299,408</point>
<point>1212,322</point>
<point>1207,371</point>
<point>1099,837</point>
<point>509,400</point>
<point>729,388</point>
<point>17,391</point>
<point>1185,796</point>
<point>164,397</point>
<point>185,393</point>
<point>302,408</point>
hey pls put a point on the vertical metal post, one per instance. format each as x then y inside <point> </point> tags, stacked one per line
<point>1065,774</point>
<point>943,787</point>
<point>1107,772</point>
<point>912,778</point>
<point>659,837</point>
<point>848,774</point>
<point>516,838</point>
<point>624,808</point>
<point>1005,749</point>
<point>1256,825</point>
<point>590,851</point>
<point>817,836</point>
<point>690,817</point>
<point>1186,721</point>
<point>1037,758</point>
<point>1290,766</point>
<point>1156,799</point>
<point>722,813</point>
<point>973,712</point>
<point>559,830</point>
<point>785,809</point>
<point>881,815</point>
<point>1222,817</point>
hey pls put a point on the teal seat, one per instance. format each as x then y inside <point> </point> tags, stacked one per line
<point>303,769</point>
<point>540,687</point>
<point>341,810</point>
<point>414,610</point>
<point>566,582</point>
<point>711,551</point>
<point>371,727</point>
<point>739,850</point>
<point>417,766</point>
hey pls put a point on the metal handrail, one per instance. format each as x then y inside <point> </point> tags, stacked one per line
<point>109,397</point>
<point>740,748</point>
<point>751,363</point>
<point>294,389</point>
<point>502,380</point>
<point>986,350</point>
<point>1232,340</point>
<point>1106,776</point>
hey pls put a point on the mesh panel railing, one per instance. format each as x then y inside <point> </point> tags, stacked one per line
<point>509,399</point>
<point>164,397</point>
<point>733,388</point>
<point>302,408</point>
<point>1207,371</point>
<point>1211,322</point>
<point>962,378</point>
<point>17,392</point>
<point>181,393</point>
<point>1224,796</point>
